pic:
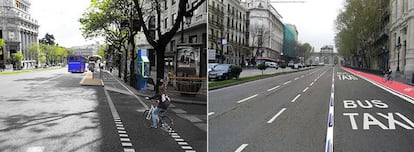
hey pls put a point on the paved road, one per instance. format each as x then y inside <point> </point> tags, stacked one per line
<point>50,111</point>
<point>290,113</point>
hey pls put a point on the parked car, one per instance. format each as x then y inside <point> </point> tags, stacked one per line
<point>272,65</point>
<point>210,66</point>
<point>291,64</point>
<point>222,72</point>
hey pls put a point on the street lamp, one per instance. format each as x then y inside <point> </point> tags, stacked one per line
<point>398,53</point>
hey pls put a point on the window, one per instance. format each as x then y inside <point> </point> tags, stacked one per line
<point>165,23</point>
<point>193,39</point>
<point>165,4</point>
<point>172,2</point>
<point>172,19</point>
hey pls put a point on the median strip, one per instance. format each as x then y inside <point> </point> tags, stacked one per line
<point>248,98</point>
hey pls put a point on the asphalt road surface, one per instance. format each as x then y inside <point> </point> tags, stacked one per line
<point>291,113</point>
<point>50,111</point>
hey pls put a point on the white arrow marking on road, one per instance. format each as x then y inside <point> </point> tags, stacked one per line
<point>273,88</point>
<point>286,82</point>
<point>245,99</point>
<point>294,99</point>
<point>305,89</point>
<point>277,115</point>
<point>241,148</point>
<point>210,113</point>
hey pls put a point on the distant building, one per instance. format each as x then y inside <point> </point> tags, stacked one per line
<point>215,30</point>
<point>290,39</point>
<point>325,56</point>
<point>18,30</point>
<point>265,31</point>
<point>402,37</point>
<point>86,50</point>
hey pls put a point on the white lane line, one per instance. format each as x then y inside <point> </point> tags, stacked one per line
<point>329,143</point>
<point>273,88</point>
<point>305,89</point>
<point>129,150</point>
<point>277,115</point>
<point>315,80</point>
<point>126,144</point>
<point>296,78</point>
<point>125,139</point>
<point>186,147</point>
<point>294,99</point>
<point>286,82</point>
<point>35,149</point>
<point>210,113</point>
<point>182,143</point>
<point>241,148</point>
<point>311,83</point>
<point>248,98</point>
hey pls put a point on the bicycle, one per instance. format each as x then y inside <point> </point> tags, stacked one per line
<point>165,123</point>
<point>387,78</point>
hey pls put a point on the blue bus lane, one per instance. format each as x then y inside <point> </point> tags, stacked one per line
<point>369,118</point>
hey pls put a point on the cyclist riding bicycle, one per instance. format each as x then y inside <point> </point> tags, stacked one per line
<point>163,102</point>
<point>387,73</point>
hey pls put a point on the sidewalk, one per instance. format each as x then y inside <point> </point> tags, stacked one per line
<point>110,78</point>
<point>396,86</point>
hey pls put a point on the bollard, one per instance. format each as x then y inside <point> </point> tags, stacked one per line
<point>412,78</point>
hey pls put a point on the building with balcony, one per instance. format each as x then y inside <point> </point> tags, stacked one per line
<point>401,50</point>
<point>265,31</point>
<point>19,30</point>
<point>192,33</point>
<point>215,28</point>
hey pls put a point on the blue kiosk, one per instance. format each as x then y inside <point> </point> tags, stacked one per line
<point>142,67</point>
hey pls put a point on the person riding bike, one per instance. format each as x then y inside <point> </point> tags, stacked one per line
<point>163,102</point>
<point>387,74</point>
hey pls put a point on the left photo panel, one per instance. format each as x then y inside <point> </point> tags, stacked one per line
<point>103,75</point>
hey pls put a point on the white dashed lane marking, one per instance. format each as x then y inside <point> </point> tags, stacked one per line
<point>277,115</point>
<point>248,98</point>
<point>210,113</point>
<point>294,99</point>
<point>286,82</point>
<point>241,147</point>
<point>273,88</point>
<point>304,90</point>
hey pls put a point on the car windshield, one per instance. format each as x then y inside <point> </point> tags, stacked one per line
<point>221,67</point>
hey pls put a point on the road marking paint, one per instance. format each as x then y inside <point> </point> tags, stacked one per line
<point>248,98</point>
<point>126,144</point>
<point>125,139</point>
<point>182,143</point>
<point>305,89</point>
<point>186,147</point>
<point>286,82</point>
<point>241,147</point>
<point>119,125</point>
<point>294,99</point>
<point>315,80</point>
<point>296,78</point>
<point>179,139</point>
<point>311,83</point>
<point>121,131</point>
<point>273,88</point>
<point>123,135</point>
<point>210,113</point>
<point>129,150</point>
<point>190,151</point>
<point>120,128</point>
<point>36,149</point>
<point>175,136</point>
<point>274,117</point>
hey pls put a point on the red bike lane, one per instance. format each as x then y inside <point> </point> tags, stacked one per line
<point>398,87</point>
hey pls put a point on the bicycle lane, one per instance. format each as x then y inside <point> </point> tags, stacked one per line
<point>370,118</point>
<point>398,87</point>
<point>137,136</point>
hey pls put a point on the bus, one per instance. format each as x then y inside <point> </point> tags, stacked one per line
<point>76,63</point>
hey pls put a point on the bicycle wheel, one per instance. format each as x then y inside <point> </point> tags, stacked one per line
<point>145,121</point>
<point>166,124</point>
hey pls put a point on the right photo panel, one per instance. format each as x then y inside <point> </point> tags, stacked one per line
<point>310,75</point>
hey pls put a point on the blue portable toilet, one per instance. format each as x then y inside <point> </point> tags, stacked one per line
<point>142,65</point>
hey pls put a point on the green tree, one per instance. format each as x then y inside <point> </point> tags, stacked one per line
<point>16,59</point>
<point>101,51</point>
<point>261,67</point>
<point>49,39</point>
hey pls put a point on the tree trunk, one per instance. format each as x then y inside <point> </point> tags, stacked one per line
<point>160,53</point>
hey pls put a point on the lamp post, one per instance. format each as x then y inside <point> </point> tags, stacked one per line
<point>398,53</point>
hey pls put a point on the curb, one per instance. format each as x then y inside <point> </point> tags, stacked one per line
<point>246,81</point>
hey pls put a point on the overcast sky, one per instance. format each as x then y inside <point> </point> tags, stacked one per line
<point>313,19</point>
<point>60,18</point>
